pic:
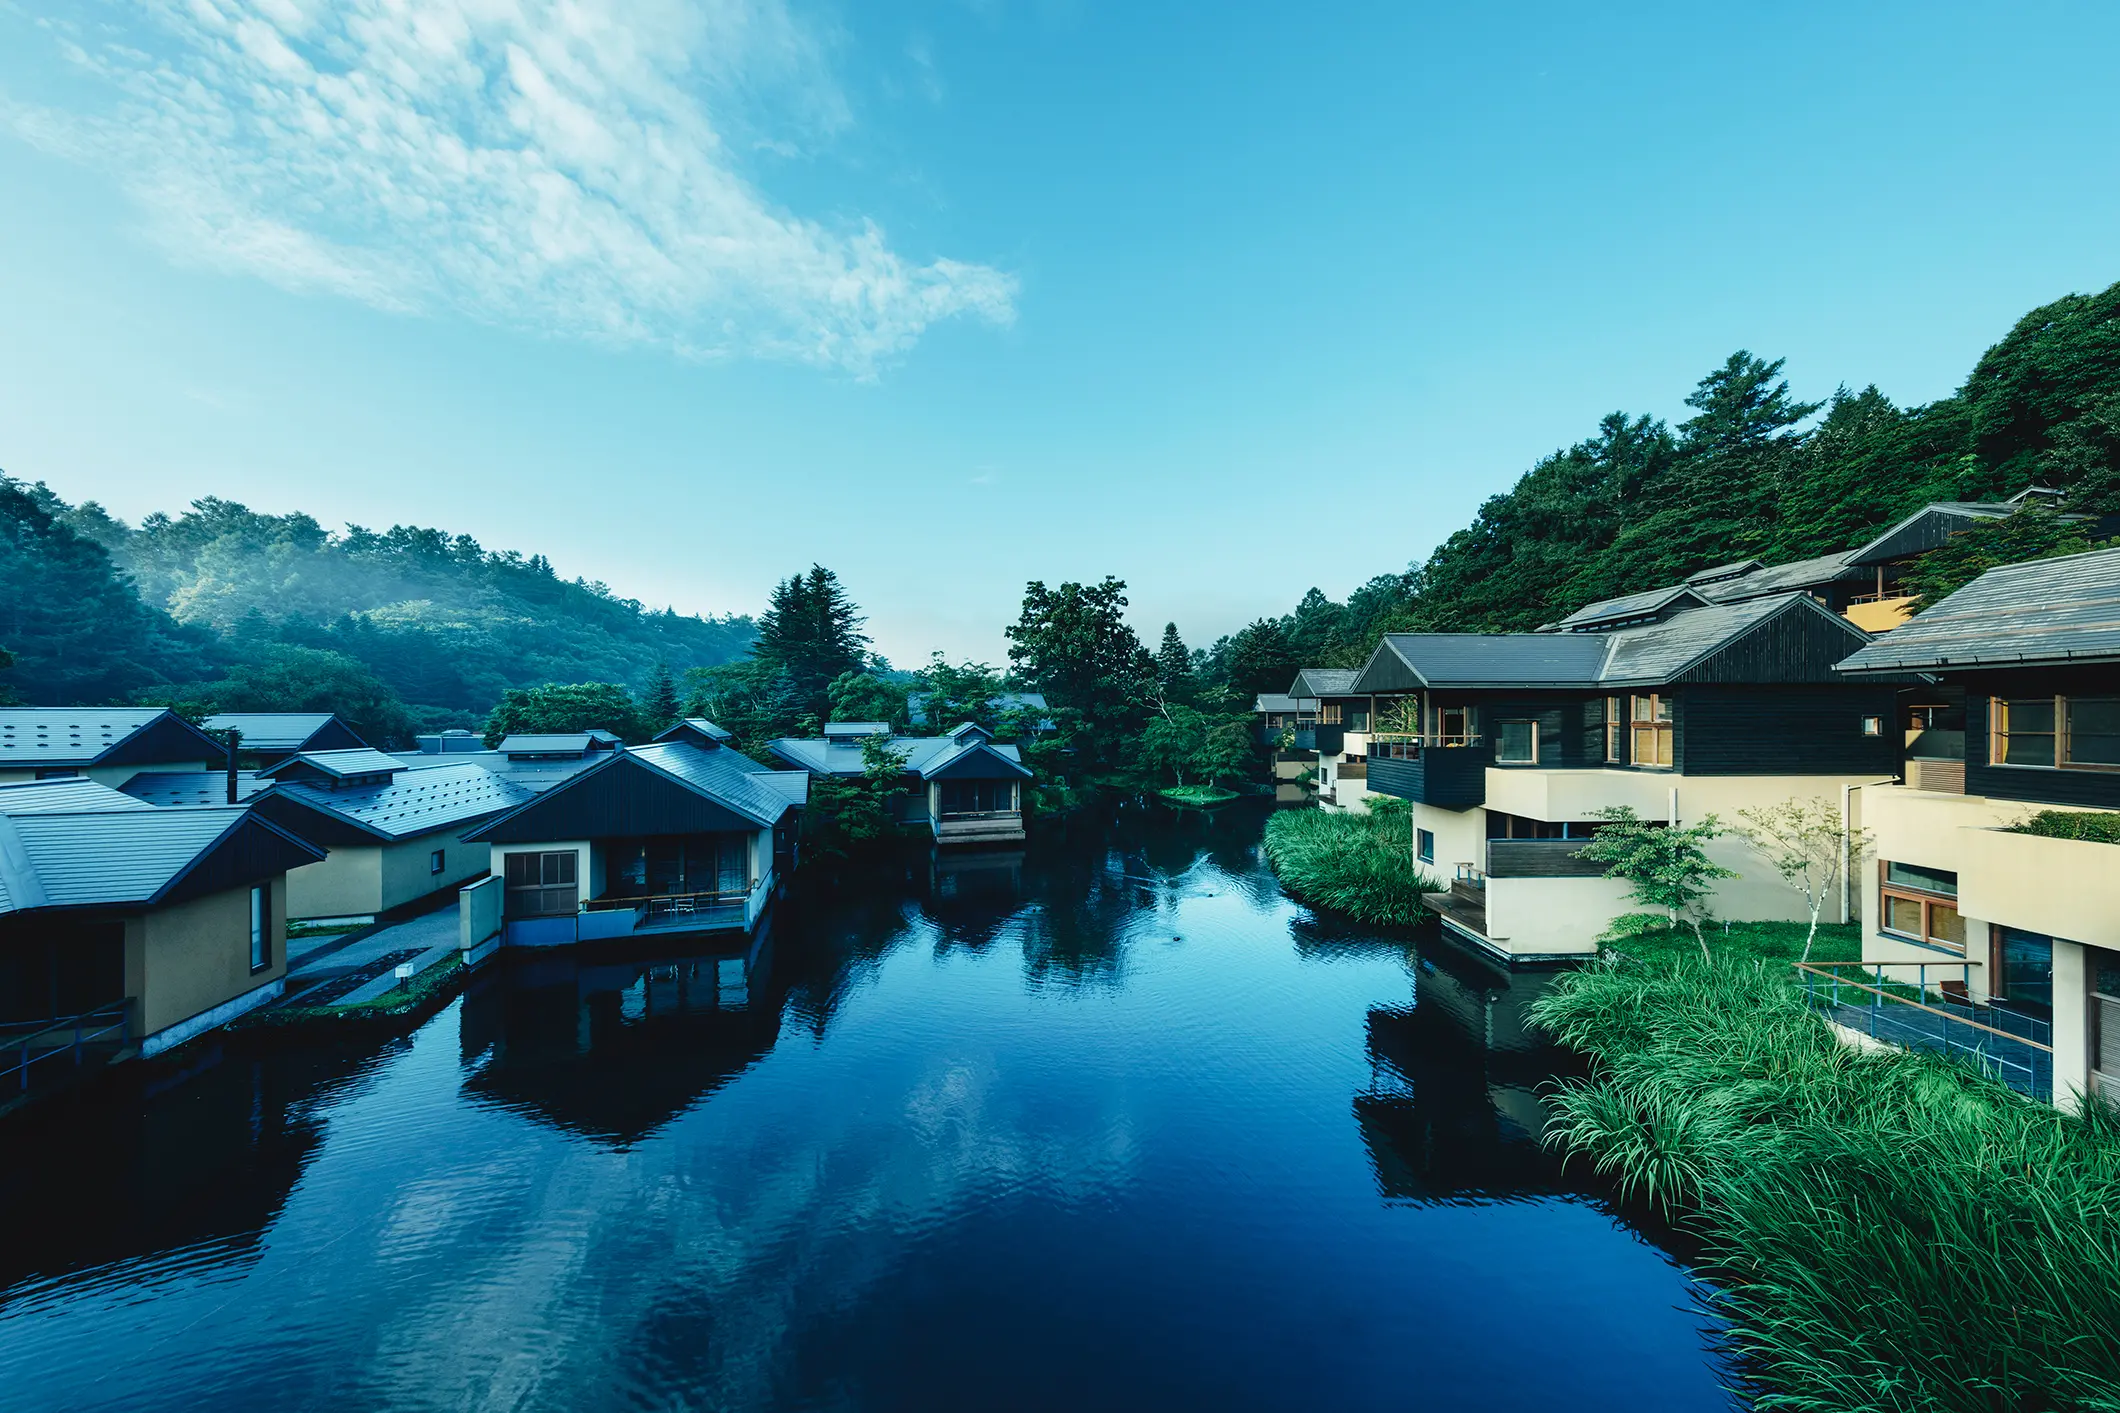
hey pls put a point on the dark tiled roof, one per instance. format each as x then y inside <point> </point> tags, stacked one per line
<point>1722,571</point>
<point>726,776</point>
<point>271,730</point>
<point>64,796</point>
<point>50,736</point>
<point>924,755</point>
<point>1281,701</point>
<point>2047,611</point>
<point>532,773</point>
<point>413,802</point>
<point>109,857</point>
<point>547,743</point>
<point>165,788</point>
<point>696,726</point>
<point>341,765</point>
<point>1658,652</point>
<point>1628,606</point>
<point>1324,682</point>
<point>1782,578</point>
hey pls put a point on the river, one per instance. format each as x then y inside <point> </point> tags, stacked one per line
<point>1109,1125</point>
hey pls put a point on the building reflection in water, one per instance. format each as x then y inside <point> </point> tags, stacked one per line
<point>1452,1111</point>
<point>614,1045</point>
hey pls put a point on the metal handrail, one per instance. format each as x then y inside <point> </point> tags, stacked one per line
<point>1824,969</point>
<point>599,905</point>
<point>84,1029</point>
<point>1472,874</point>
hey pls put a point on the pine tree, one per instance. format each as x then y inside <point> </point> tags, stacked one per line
<point>812,632</point>
<point>1174,666</point>
<point>660,707</point>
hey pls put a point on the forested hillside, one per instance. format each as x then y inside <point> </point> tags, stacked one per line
<point>223,604</point>
<point>1755,472</point>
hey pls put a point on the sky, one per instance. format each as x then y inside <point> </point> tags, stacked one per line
<point>1228,301</point>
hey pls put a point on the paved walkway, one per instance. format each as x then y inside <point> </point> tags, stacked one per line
<point>430,937</point>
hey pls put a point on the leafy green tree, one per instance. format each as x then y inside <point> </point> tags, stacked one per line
<point>1665,866</point>
<point>1806,842</point>
<point>751,700</point>
<point>959,692</point>
<point>2035,532</point>
<point>565,707</point>
<point>660,707</point>
<point>1171,741</point>
<point>7,660</point>
<point>811,631</point>
<point>863,696</point>
<point>1261,660</point>
<point>1073,644</point>
<point>283,677</point>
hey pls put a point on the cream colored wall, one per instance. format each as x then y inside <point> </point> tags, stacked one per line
<point>348,883</point>
<point>405,873</point>
<point>1561,795</point>
<point>1541,917</point>
<point>1932,830</point>
<point>2061,887</point>
<point>1460,837</point>
<point>193,956</point>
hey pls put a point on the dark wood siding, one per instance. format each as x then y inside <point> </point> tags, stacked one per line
<point>2089,789</point>
<point>1785,731</point>
<point>623,798</point>
<point>1448,777</point>
<point>1539,858</point>
<point>1799,644</point>
<point>166,740</point>
<point>248,854</point>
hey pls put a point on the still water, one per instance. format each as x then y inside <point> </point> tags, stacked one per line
<point>1108,1125</point>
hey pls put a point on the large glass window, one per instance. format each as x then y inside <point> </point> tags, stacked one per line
<point>1516,742</point>
<point>1453,725</point>
<point>2024,731</point>
<point>541,885</point>
<point>1615,733</point>
<point>1651,726</point>
<point>2092,732</point>
<point>2024,970</point>
<point>1921,905</point>
<point>978,796</point>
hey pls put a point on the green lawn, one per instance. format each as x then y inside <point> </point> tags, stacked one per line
<point>1763,941</point>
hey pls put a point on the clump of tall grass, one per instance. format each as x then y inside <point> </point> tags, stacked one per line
<point>1359,865</point>
<point>1891,1230</point>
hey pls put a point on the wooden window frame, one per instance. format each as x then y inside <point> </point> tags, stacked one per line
<point>1329,714</point>
<point>1531,722</point>
<point>1660,725</point>
<point>1465,737</point>
<point>1929,901</point>
<point>1615,734</point>
<point>1998,734</point>
<point>511,891</point>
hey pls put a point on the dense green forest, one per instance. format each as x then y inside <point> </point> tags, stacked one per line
<point>224,607</point>
<point>1755,472</point>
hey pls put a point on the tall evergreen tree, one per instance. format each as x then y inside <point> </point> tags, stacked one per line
<point>660,707</point>
<point>811,631</point>
<point>1174,666</point>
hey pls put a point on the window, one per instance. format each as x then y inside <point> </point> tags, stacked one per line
<point>1873,726</point>
<point>2024,970</point>
<point>1921,905</point>
<point>260,931</point>
<point>1357,719</point>
<point>1424,845</point>
<point>2072,733</point>
<point>541,885</point>
<point>978,796</point>
<point>1650,725</point>
<point>1516,742</point>
<point>1329,714</point>
<point>2104,968</point>
<point>1615,733</point>
<point>437,860</point>
<point>1453,725</point>
<point>58,773</point>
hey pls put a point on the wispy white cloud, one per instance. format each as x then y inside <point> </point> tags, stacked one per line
<point>572,166</point>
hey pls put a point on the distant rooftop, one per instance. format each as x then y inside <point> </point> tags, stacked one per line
<point>2048,612</point>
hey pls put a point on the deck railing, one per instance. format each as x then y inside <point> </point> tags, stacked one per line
<point>25,1044</point>
<point>1401,745</point>
<point>665,907</point>
<point>2016,1049</point>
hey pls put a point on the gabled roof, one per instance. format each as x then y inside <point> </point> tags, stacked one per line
<point>697,729</point>
<point>1647,654</point>
<point>64,796</point>
<point>1723,571</point>
<point>1627,607</point>
<point>287,730</point>
<point>165,789</point>
<point>924,756</point>
<point>534,773</point>
<point>1281,701</point>
<point>2047,612</point>
<point>670,787</point>
<point>1324,682</point>
<point>1929,527</point>
<point>411,803</point>
<point>138,856</point>
<point>82,736</point>
<point>1814,573</point>
<point>834,730</point>
<point>554,743</point>
<point>335,765</point>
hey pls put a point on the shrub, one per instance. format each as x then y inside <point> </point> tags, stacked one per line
<point>2091,826</point>
<point>1360,865</point>
<point>1891,1230</point>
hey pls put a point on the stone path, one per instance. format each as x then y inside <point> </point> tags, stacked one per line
<point>430,936</point>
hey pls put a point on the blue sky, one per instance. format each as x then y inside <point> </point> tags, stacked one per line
<point>950,294</point>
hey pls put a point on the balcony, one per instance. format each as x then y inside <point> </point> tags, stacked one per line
<point>1326,737</point>
<point>2061,887</point>
<point>1447,772</point>
<point>1879,613</point>
<point>980,827</point>
<point>671,912</point>
<point>1539,858</point>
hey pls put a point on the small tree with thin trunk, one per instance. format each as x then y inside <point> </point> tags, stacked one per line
<point>1803,840</point>
<point>1666,866</point>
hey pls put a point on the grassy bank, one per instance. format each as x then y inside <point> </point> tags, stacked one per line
<point>1197,794</point>
<point>1892,1230</point>
<point>429,990</point>
<point>1359,865</point>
